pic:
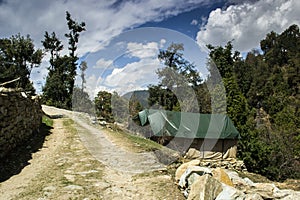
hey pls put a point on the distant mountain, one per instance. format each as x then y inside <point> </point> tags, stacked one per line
<point>140,95</point>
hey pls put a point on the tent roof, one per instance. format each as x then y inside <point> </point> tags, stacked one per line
<point>189,125</point>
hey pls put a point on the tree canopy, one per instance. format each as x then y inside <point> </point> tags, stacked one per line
<point>58,90</point>
<point>17,59</point>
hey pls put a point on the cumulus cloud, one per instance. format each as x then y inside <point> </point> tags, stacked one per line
<point>135,75</point>
<point>104,19</point>
<point>103,64</point>
<point>141,51</point>
<point>246,24</point>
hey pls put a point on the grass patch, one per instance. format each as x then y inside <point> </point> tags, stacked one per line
<point>132,142</point>
<point>47,120</point>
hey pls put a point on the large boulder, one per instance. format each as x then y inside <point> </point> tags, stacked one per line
<point>237,181</point>
<point>266,190</point>
<point>222,176</point>
<point>229,193</point>
<point>182,168</point>
<point>191,174</point>
<point>192,154</point>
<point>205,188</point>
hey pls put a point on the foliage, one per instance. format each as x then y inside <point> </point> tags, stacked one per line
<point>81,101</point>
<point>178,80</point>
<point>119,108</point>
<point>17,58</point>
<point>58,89</point>
<point>262,94</point>
<point>103,106</point>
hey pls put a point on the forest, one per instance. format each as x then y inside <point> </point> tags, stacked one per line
<point>262,90</point>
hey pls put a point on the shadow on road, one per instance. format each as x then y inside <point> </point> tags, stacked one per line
<point>19,158</point>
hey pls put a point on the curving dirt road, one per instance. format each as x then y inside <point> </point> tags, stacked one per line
<point>85,164</point>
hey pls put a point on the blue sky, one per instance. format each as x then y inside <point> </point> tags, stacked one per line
<point>121,49</point>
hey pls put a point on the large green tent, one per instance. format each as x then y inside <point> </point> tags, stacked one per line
<point>189,125</point>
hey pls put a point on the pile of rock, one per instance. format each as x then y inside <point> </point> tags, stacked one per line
<point>20,116</point>
<point>206,183</point>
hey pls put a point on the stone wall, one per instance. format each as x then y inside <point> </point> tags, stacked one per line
<point>20,117</point>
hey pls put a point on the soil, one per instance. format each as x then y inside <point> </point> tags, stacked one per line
<point>80,161</point>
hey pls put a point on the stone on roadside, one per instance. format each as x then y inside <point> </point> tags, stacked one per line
<point>192,154</point>
<point>182,168</point>
<point>185,182</point>
<point>222,176</point>
<point>74,187</point>
<point>266,190</point>
<point>229,193</point>
<point>252,196</point>
<point>205,188</point>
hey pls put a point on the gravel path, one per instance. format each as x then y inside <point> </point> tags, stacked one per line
<point>107,152</point>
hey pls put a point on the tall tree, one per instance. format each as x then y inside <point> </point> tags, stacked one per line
<point>177,78</point>
<point>58,90</point>
<point>73,37</point>
<point>18,57</point>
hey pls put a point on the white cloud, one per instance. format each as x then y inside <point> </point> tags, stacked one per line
<point>104,19</point>
<point>247,23</point>
<point>142,50</point>
<point>162,43</point>
<point>134,76</point>
<point>194,22</point>
<point>103,64</point>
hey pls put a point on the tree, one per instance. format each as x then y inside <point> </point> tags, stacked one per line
<point>73,36</point>
<point>237,106</point>
<point>81,101</point>
<point>177,78</point>
<point>103,106</point>
<point>18,57</point>
<point>83,67</point>
<point>119,108</point>
<point>58,90</point>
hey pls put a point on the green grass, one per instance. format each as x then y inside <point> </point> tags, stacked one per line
<point>47,121</point>
<point>133,142</point>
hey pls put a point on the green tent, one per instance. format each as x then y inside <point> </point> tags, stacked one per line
<point>189,125</point>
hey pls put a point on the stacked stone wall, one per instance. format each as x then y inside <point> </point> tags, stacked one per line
<point>20,118</point>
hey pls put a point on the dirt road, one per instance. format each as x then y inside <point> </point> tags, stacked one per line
<point>78,161</point>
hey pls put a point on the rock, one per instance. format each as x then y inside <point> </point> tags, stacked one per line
<point>184,179</point>
<point>49,188</point>
<point>237,181</point>
<point>293,196</point>
<point>222,176</point>
<point>74,187</point>
<point>252,196</point>
<point>283,193</point>
<point>70,177</point>
<point>205,188</point>
<point>180,170</point>
<point>249,182</point>
<point>266,190</point>
<point>192,154</point>
<point>229,193</point>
